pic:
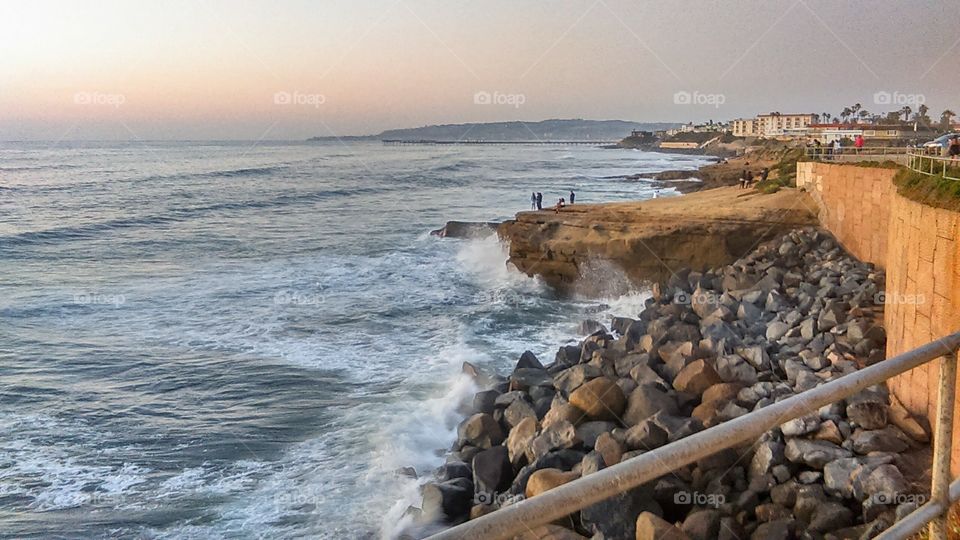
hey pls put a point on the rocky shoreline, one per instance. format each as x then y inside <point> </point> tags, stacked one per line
<point>710,346</point>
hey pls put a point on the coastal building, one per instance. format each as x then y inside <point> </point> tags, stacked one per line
<point>827,133</point>
<point>745,127</point>
<point>773,125</point>
<point>776,124</point>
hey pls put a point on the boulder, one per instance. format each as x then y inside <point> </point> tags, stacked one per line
<point>519,441</point>
<point>830,516</point>
<point>600,399</point>
<point>646,435</point>
<point>676,427</point>
<point>781,529</point>
<point>483,401</point>
<point>492,472</point>
<point>868,410</point>
<point>523,378</point>
<point>878,440</point>
<point>453,469</point>
<point>547,479</point>
<point>560,459</point>
<point>650,526</point>
<point>588,432</point>
<point>886,484</point>
<point>609,449</point>
<point>702,525</point>
<point>448,501</point>
<point>562,411</point>
<point>915,427</point>
<point>696,377</point>
<point>529,360</point>
<point>721,392</point>
<point>479,430</point>
<point>517,411</point>
<point>768,455</point>
<point>558,436</point>
<point>646,401</point>
<point>615,517</point>
<point>815,454</point>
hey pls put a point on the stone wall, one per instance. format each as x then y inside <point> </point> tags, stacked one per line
<point>917,245</point>
<point>854,204</point>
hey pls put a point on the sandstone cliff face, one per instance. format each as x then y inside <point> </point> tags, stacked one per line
<point>602,248</point>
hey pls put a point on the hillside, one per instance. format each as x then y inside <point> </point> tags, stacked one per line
<point>554,130</point>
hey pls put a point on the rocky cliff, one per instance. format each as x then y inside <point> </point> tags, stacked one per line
<point>603,248</point>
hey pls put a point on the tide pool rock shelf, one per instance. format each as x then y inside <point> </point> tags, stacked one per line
<point>710,346</point>
<point>579,249</point>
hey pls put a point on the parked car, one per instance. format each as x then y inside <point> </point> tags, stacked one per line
<point>941,141</point>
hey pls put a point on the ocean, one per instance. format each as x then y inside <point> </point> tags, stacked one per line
<point>247,340</point>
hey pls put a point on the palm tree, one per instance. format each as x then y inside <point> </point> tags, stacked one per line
<point>945,118</point>
<point>855,109</point>
<point>905,111</point>
<point>863,114</point>
<point>845,113</point>
<point>825,117</point>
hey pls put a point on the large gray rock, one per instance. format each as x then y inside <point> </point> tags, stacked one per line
<point>886,484</point>
<point>558,436</point>
<point>492,472</point>
<point>830,516</point>
<point>572,378</point>
<point>815,454</point>
<point>448,501</point>
<point>868,410</point>
<point>702,525</point>
<point>616,517</point>
<point>646,401</point>
<point>646,435</point>
<point>479,430</point>
<point>519,441</point>
<point>878,440</point>
<point>768,455</point>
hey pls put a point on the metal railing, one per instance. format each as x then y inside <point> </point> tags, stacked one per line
<point>932,165</point>
<point>566,499</point>
<point>851,153</point>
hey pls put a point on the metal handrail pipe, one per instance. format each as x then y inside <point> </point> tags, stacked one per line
<point>562,501</point>
<point>913,522</point>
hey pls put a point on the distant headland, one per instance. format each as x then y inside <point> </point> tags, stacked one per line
<point>545,130</point>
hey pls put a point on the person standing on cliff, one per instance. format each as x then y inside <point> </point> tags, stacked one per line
<point>764,173</point>
<point>954,149</point>
<point>858,143</point>
<point>533,200</point>
<point>560,205</point>
<point>572,196</point>
<point>539,201</point>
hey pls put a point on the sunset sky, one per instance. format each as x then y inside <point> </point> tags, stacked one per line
<point>209,69</point>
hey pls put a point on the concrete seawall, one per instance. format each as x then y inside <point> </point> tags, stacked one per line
<point>917,245</point>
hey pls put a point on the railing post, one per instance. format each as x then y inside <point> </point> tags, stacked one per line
<point>943,443</point>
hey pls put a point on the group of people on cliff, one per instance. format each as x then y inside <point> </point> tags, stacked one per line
<point>747,178</point>
<point>536,201</point>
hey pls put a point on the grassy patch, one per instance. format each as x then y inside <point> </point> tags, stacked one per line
<point>935,191</point>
